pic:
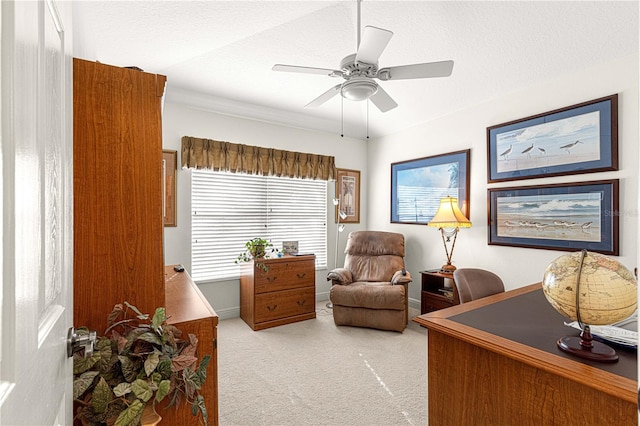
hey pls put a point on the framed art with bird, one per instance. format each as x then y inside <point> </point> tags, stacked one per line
<point>581,138</point>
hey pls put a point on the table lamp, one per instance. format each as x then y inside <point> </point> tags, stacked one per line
<point>449,219</point>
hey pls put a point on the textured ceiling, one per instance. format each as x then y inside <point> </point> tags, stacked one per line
<point>218,54</point>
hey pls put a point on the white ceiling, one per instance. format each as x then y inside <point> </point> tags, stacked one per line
<point>218,54</point>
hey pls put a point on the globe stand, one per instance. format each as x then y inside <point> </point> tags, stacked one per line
<point>585,347</point>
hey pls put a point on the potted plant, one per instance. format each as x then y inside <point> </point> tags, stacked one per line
<point>255,249</point>
<point>136,364</point>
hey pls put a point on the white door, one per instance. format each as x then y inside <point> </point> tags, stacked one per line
<point>37,212</point>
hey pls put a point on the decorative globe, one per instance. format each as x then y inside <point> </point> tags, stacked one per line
<point>608,290</point>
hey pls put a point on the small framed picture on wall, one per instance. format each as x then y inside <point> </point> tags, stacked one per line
<point>348,194</point>
<point>169,168</point>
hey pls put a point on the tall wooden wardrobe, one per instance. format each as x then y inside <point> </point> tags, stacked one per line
<point>118,228</point>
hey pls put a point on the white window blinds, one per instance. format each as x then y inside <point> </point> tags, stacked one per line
<point>230,209</point>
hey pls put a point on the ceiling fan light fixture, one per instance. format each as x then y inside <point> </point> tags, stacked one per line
<point>358,89</point>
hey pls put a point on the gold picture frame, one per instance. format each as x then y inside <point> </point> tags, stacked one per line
<point>169,187</point>
<point>348,192</point>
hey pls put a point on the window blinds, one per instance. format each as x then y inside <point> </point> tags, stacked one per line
<point>229,209</point>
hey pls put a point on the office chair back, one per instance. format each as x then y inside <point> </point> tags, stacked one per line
<point>475,283</point>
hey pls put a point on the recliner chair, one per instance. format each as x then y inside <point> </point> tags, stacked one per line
<point>371,289</point>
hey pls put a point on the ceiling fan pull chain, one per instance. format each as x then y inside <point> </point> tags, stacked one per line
<point>367,119</point>
<point>341,117</point>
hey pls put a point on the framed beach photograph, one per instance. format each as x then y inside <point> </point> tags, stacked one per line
<point>417,186</point>
<point>581,138</point>
<point>567,217</point>
<point>169,169</point>
<point>348,192</point>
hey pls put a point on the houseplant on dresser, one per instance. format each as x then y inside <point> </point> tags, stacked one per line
<point>139,362</point>
<point>255,249</point>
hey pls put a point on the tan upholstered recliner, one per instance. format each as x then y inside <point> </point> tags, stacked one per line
<point>371,290</point>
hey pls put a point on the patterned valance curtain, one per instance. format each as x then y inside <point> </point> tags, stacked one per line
<point>237,158</point>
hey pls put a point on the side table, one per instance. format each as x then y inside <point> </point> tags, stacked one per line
<point>438,291</point>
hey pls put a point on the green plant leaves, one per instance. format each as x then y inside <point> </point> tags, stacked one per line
<point>141,390</point>
<point>81,364</point>
<point>140,315</point>
<point>195,379</point>
<point>163,390</point>
<point>199,404</point>
<point>82,383</point>
<point>139,361</point>
<point>151,363</point>
<point>122,389</point>
<point>159,317</point>
<point>130,367</point>
<point>132,415</point>
<point>164,368</point>
<point>102,395</point>
<point>150,337</point>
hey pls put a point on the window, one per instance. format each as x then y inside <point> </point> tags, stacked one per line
<point>229,209</point>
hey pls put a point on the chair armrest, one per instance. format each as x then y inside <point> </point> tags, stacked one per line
<point>340,276</point>
<point>398,278</point>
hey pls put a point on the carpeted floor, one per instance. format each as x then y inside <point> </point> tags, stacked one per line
<point>314,373</point>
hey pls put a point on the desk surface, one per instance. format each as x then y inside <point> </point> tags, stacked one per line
<point>522,325</point>
<point>184,300</point>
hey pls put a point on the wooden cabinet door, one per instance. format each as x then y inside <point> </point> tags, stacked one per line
<point>118,227</point>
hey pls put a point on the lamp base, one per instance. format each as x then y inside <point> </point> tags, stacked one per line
<point>447,269</point>
<point>585,347</point>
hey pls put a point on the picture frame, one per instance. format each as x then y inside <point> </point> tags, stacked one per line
<point>417,186</point>
<point>566,216</point>
<point>169,190</point>
<point>581,138</point>
<point>290,248</point>
<point>348,192</point>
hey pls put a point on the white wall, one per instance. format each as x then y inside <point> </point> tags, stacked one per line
<point>467,129</point>
<point>461,130</point>
<point>180,120</point>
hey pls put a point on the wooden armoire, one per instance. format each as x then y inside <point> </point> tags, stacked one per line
<point>118,227</point>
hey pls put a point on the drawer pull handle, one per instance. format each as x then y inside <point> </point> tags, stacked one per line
<point>301,302</point>
<point>271,309</point>
<point>272,279</point>
<point>302,275</point>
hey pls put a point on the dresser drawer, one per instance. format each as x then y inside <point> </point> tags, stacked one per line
<point>287,303</point>
<point>284,275</point>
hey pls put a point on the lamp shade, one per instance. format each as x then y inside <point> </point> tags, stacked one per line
<point>449,215</point>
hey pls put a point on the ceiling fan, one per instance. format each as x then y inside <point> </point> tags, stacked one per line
<point>361,68</point>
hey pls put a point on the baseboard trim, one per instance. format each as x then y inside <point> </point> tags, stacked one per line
<point>228,313</point>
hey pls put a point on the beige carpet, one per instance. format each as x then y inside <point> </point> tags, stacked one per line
<point>314,373</point>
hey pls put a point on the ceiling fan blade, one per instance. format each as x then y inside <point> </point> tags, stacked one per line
<point>373,42</point>
<point>324,97</point>
<point>426,70</point>
<point>382,100</point>
<point>307,70</point>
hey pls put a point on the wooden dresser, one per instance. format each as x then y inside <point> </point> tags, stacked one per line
<point>283,294</point>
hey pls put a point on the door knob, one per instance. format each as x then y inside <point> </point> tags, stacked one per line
<point>77,342</point>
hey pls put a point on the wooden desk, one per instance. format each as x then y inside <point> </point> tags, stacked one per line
<point>494,361</point>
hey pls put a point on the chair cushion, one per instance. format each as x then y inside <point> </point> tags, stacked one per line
<point>372,295</point>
